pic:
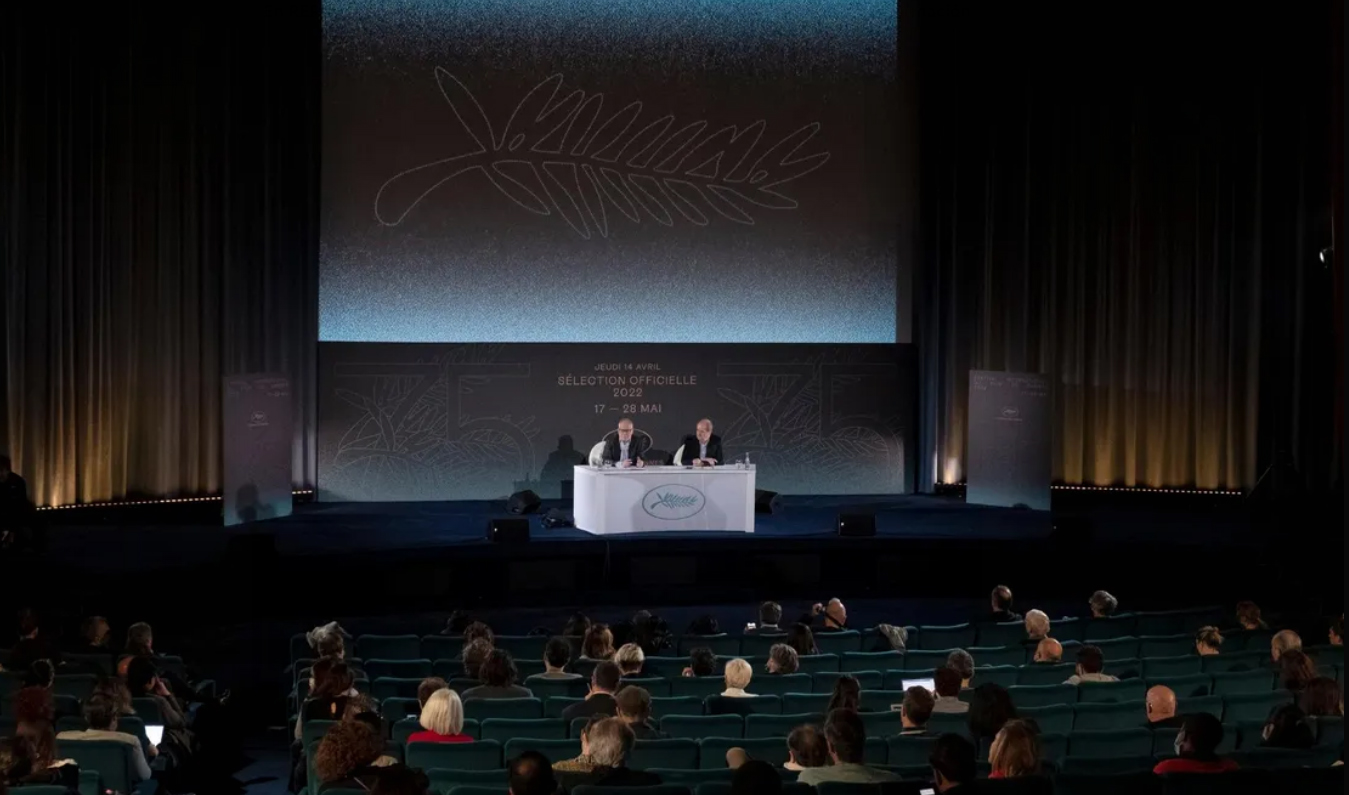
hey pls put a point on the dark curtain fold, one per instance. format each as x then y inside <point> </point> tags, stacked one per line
<point>1134,209</point>
<point>159,195</point>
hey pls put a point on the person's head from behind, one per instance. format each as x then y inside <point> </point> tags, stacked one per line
<point>443,713</point>
<point>95,631</point>
<point>947,682</point>
<point>477,630</point>
<point>630,659</point>
<point>1015,750</point>
<point>115,689</point>
<point>1288,727</point>
<point>836,613</point>
<point>1102,604</point>
<point>347,746</point>
<point>1090,660</point>
<point>585,731</point>
<point>1208,641</point>
<point>605,677</point>
<point>40,673</point>
<point>140,639</point>
<point>498,670</point>
<point>962,662</point>
<point>331,644</point>
<point>705,624</point>
<point>475,654</point>
<point>610,742</point>
<point>634,704</point>
<point>141,676</point>
<point>33,705</point>
<point>428,686</point>
<point>1248,615</point>
<point>1199,737</point>
<point>1160,703</point>
<point>556,654</point>
<point>598,643</point>
<point>1037,624</point>
<point>738,674</point>
<point>531,774</point>
<point>702,662</point>
<point>783,659</point>
<point>18,757</point>
<point>1001,599</point>
<point>401,780</point>
<point>916,708</point>
<point>953,761</point>
<point>807,747</point>
<point>331,678</point>
<point>756,777</point>
<point>1285,640</point>
<point>801,638</point>
<point>101,713</point>
<point>1296,670</point>
<point>770,614</point>
<point>990,709</point>
<point>576,626</point>
<point>1048,650</point>
<point>1322,698</point>
<point>847,693</point>
<point>846,736</point>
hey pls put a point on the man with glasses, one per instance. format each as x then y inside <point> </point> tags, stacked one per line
<point>623,450</point>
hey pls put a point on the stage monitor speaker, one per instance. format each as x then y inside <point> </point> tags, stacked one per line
<point>857,525</point>
<point>766,501</point>
<point>556,517</point>
<point>524,502</point>
<point>508,531</point>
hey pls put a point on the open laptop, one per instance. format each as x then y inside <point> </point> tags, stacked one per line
<point>929,684</point>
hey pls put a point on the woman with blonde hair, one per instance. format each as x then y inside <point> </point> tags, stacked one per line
<point>630,658</point>
<point>1015,751</point>
<point>738,674</point>
<point>441,719</point>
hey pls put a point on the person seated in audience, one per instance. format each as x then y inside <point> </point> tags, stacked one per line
<point>22,764</point>
<point>1248,616</point>
<point>577,626</point>
<point>1197,748</point>
<point>498,677</point>
<point>1048,651</point>
<point>33,644</point>
<point>101,714</point>
<point>756,777</point>
<point>801,638</point>
<point>94,635</point>
<point>34,717</point>
<point>1287,727</point>
<point>442,719</point>
<point>915,711</point>
<point>1208,641</point>
<point>328,640</point>
<point>953,762</point>
<point>556,655</point>
<point>1015,751</point>
<point>331,683</point>
<point>962,662</point>
<point>947,682</point>
<point>583,763</point>
<point>600,699</point>
<point>531,773</point>
<point>633,707</point>
<point>1322,698</point>
<point>428,686</point>
<point>1037,627</point>
<point>847,694</point>
<point>770,619</point>
<point>1102,604</point>
<point>806,748</point>
<point>144,681</point>
<point>702,662</point>
<point>735,757</point>
<point>349,757</point>
<point>630,659</point>
<point>611,742</point>
<point>1090,667</point>
<point>40,674</point>
<point>738,675</point>
<point>475,654</point>
<point>846,737</point>
<point>1160,704</point>
<point>598,643</point>
<point>116,690</point>
<point>1001,602</point>
<point>1295,671</point>
<point>783,659</point>
<point>990,709</point>
<point>1285,640</point>
<point>830,617</point>
<point>477,630</point>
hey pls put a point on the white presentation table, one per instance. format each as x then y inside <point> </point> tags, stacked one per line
<point>654,498</point>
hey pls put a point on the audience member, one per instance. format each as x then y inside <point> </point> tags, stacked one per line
<point>1037,627</point>
<point>16,509</point>
<point>598,643</point>
<point>947,683</point>
<point>738,675</point>
<point>915,711</point>
<point>1102,604</point>
<point>610,744</point>
<point>100,712</point>
<point>327,640</point>
<point>1283,641</point>
<point>583,763</point>
<point>456,623</point>
<point>1090,667</point>
<point>1049,651</point>
<point>1322,698</point>
<point>735,757</point>
<point>1287,727</point>
<point>498,676</point>
<point>23,764</point>
<point>1208,641</point>
<point>847,694</point>
<point>600,699</point>
<point>846,738</point>
<point>630,659</point>
<point>633,707</point>
<point>830,617</point>
<point>349,757</point>
<point>144,681</point>
<point>33,644</point>
<point>1248,616</point>
<point>770,617</point>
<point>1295,670</point>
<point>1001,602</point>
<point>441,719</point>
<point>755,778</point>
<point>330,684</point>
<point>1160,704</point>
<point>953,763</point>
<point>556,655</point>
<point>806,747</point>
<point>40,674</point>
<point>990,708</point>
<point>962,662</point>
<point>1015,751</point>
<point>1336,632</point>
<point>477,630</point>
<point>530,773</point>
<point>802,639</point>
<point>577,626</point>
<point>428,686</point>
<point>783,659</point>
<point>476,653</point>
<point>116,690</point>
<point>1197,748</point>
<point>702,662</point>
<point>94,634</point>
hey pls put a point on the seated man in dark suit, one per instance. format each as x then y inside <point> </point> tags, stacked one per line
<point>625,450</point>
<point>610,743</point>
<point>703,448</point>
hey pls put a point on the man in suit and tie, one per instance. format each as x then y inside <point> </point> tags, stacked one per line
<point>703,448</point>
<point>624,450</point>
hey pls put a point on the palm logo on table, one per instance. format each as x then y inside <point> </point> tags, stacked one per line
<point>673,502</point>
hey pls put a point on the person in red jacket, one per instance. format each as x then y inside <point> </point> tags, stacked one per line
<point>442,719</point>
<point>1197,748</point>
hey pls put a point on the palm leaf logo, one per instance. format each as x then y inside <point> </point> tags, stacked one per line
<point>560,154</point>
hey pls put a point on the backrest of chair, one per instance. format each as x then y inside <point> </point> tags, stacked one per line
<point>113,760</point>
<point>395,687</point>
<point>721,644</point>
<point>1102,716</point>
<point>505,729</point>
<point>1053,719</point>
<point>681,753</point>
<point>699,726</point>
<point>1110,743</point>
<point>389,647</point>
<point>483,708</point>
<point>441,647</point>
<point>1001,675</point>
<point>480,755</point>
<point>1178,665</point>
<point>851,661</point>
<point>712,750</point>
<point>78,686</point>
<point>817,663</point>
<point>1193,705</point>
<point>1185,686</point>
<point>781,684</point>
<point>998,655</point>
<point>838,642</point>
<point>596,456</point>
<point>1042,674</point>
<point>1125,690</point>
<point>656,686</point>
<point>545,688</point>
<point>780,726</point>
<point>555,749</point>
<point>1108,628</point>
<point>676,705</point>
<point>954,636</point>
<point>417,668</point>
<point>1042,695</point>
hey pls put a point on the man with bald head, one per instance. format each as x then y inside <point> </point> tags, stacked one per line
<point>1161,706</point>
<point>831,617</point>
<point>1048,651</point>
<point>625,449</point>
<point>703,448</point>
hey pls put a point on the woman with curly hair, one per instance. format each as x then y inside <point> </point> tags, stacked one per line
<point>1295,671</point>
<point>800,637</point>
<point>34,718</point>
<point>847,694</point>
<point>348,757</point>
<point>598,643</point>
<point>498,675</point>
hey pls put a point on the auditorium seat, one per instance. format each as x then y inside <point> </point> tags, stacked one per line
<point>1053,719</point>
<point>676,705</point>
<point>909,750</point>
<point>77,686</point>
<point>505,729</point>
<point>929,660</point>
<point>953,636</point>
<point>1246,640</point>
<point>393,710</point>
<point>838,642</point>
<point>824,682</point>
<point>882,724</point>
<point>1001,675</point>
<point>1004,633</point>
<point>1095,630</point>
<point>443,781</point>
<point>998,655</point>
<point>742,706</point>
<point>1238,661</point>
<point>1045,674</point>
<point>698,686</point>
<point>946,722</point>
<point>712,750</point>
<point>1042,695</point>
<point>780,684</point>
<point>1193,705</point>
<point>851,661</point>
<point>480,755</point>
<point>699,726</point>
<point>1281,758</point>
<point>1120,784</point>
<point>1104,716</point>
<point>880,700</point>
<point>1329,731</point>
<point>817,663</point>
<point>1107,765</point>
<point>484,708</point>
<point>545,688</point>
<point>757,726</point>
<point>389,647</point>
<point>555,749</point>
<point>677,753</point>
<point>1167,646</point>
<point>1164,742</point>
<point>395,687</point>
<point>1122,648</point>
<point>1124,690</point>
<point>404,669</point>
<point>1253,706</point>
<point>1179,665</point>
<point>655,685</point>
<point>695,778</point>
<point>1238,682</point>
<point>1110,743</point>
<point>721,644</point>
<point>805,702</point>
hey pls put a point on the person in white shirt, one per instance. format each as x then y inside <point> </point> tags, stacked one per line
<point>1090,667</point>
<point>101,713</point>
<point>625,449</point>
<point>738,674</point>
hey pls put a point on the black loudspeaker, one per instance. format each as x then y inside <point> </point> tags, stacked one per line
<point>766,501</point>
<point>857,525</point>
<point>556,518</point>
<point>508,531</point>
<point>524,502</point>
